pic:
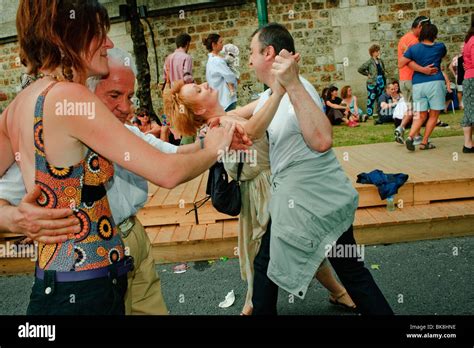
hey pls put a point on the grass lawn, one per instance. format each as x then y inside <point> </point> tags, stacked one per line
<point>368,133</point>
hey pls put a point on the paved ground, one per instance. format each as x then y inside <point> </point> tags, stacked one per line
<point>426,274</point>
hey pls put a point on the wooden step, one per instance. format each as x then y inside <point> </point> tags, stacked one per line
<point>9,262</point>
<point>371,226</point>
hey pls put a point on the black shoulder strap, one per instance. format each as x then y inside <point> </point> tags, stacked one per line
<point>239,170</point>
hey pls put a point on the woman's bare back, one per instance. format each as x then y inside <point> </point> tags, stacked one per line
<point>61,149</point>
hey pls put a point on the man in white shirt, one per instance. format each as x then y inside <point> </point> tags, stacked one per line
<point>127,193</point>
<point>313,203</point>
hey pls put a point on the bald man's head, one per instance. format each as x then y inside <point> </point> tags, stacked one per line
<point>117,89</point>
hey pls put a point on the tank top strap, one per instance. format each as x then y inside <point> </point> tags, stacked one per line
<point>38,124</point>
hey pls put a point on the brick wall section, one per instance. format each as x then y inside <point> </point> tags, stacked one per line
<point>327,33</point>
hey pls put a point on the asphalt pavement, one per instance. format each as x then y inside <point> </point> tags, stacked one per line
<point>417,278</point>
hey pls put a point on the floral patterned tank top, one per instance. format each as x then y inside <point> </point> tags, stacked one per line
<point>80,187</point>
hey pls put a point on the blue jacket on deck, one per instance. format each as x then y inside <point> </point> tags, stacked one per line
<point>387,184</point>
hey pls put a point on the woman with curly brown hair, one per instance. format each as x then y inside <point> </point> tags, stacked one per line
<point>65,140</point>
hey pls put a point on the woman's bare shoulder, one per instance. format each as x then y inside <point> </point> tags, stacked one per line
<point>71,90</point>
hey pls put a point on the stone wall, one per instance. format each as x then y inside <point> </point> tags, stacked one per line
<point>333,37</point>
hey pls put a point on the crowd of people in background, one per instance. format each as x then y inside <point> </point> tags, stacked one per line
<point>417,99</point>
<point>414,101</point>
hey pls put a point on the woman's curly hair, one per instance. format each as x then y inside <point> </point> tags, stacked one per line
<point>180,110</point>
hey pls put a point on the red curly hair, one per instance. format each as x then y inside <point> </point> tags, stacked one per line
<point>180,110</point>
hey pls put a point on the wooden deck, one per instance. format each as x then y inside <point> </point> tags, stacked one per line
<point>435,202</point>
<point>436,175</point>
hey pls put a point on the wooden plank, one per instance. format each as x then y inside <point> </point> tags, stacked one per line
<point>444,190</point>
<point>197,251</point>
<point>435,229</point>
<point>372,226</point>
<point>181,234</point>
<point>363,218</point>
<point>11,266</point>
<point>152,188</point>
<point>165,235</point>
<point>214,231</point>
<point>382,216</point>
<point>4,235</point>
<point>202,187</point>
<point>152,233</point>
<point>191,190</point>
<point>158,198</point>
<point>466,208</point>
<point>172,200</point>
<point>231,228</point>
<point>422,212</point>
<point>407,214</point>
<point>198,232</point>
<point>156,216</point>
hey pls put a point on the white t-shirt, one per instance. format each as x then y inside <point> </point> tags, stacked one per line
<point>218,74</point>
<point>400,109</point>
<point>286,140</point>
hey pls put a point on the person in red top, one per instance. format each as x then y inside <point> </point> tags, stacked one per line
<point>467,122</point>
<point>3,96</point>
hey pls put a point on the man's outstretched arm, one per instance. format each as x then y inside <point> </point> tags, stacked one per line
<point>314,124</point>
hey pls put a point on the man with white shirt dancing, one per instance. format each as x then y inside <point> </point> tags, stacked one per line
<point>313,203</point>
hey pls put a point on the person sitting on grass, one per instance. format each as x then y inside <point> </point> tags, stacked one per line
<point>387,103</point>
<point>397,92</point>
<point>337,113</point>
<point>350,100</point>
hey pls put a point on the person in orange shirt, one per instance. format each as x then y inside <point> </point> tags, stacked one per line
<point>407,40</point>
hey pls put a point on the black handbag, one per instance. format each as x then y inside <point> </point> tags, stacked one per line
<point>225,195</point>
